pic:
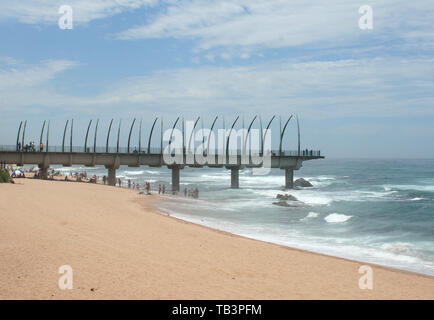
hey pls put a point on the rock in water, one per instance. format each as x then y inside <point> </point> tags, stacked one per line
<point>281,203</point>
<point>302,183</point>
<point>286,197</point>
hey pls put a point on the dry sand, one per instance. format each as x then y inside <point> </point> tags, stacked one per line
<point>119,247</point>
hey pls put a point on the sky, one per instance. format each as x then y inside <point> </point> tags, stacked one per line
<point>359,93</point>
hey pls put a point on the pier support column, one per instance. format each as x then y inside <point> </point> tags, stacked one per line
<point>175,178</point>
<point>235,178</point>
<point>289,178</point>
<point>111,179</point>
<point>44,172</point>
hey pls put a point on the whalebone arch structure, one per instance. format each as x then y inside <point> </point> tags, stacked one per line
<point>70,124</point>
<point>112,158</point>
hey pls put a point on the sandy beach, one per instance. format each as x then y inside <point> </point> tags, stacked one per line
<point>120,247</point>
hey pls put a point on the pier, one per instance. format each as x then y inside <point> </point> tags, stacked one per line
<point>45,155</point>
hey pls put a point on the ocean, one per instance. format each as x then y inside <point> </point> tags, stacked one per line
<point>376,211</point>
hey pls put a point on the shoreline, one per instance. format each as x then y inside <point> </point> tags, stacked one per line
<point>180,220</point>
<point>229,240</point>
<point>167,214</point>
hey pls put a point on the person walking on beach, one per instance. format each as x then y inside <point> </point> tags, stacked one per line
<point>41,147</point>
<point>196,193</point>
<point>104,179</point>
<point>164,188</point>
<point>129,183</point>
<point>185,192</point>
<point>159,189</point>
<point>120,182</point>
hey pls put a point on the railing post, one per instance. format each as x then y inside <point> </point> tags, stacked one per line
<point>18,136</point>
<point>108,136</point>
<point>282,134</point>
<point>171,133</point>
<point>70,138</point>
<point>64,133</point>
<point>129,136</point>
<point>48,135</point>
<point>150,135</point>
<point>24,135</point>
<point>42,134</point>
<point>96,131</point>
<point>229,135</point>
<point>119,134</point>
<point>87,134</point>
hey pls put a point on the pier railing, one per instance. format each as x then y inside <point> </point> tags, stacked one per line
<point>154,150</point>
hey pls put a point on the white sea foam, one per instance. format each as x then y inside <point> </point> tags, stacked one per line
<point>337,218</point>
<point>313,199</point>
<point>310,215</point>
<point>398,247</point>
<point>417,199</point>
<point>134,173</point>
<point>425,188</point>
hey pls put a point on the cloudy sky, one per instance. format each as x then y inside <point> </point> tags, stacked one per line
<point>358,92</point>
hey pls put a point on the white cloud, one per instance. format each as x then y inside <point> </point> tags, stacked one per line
<point>319,90</point>
<point>283,23</point>
<point>24,86</point>
<point>225,56</point>
<point>46,11</point>
<point>195,60</point>
<point>33,76</point>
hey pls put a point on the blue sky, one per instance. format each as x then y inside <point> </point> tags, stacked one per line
<point>358,93</point>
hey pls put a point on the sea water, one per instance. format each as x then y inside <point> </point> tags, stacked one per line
<point>376,211</point>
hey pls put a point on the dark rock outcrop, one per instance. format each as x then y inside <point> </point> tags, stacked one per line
<point>286,197</point>
<point>281,203</point>
<point>303,183</point>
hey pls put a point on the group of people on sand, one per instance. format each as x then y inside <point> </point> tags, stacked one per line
<point>161,189</point>
<point>82,176</point>
<point>191,193</point>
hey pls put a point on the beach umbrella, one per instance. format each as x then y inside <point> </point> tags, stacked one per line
<point>16,172</point>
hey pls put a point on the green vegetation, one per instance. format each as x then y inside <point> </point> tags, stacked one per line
<point>4,176</point>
